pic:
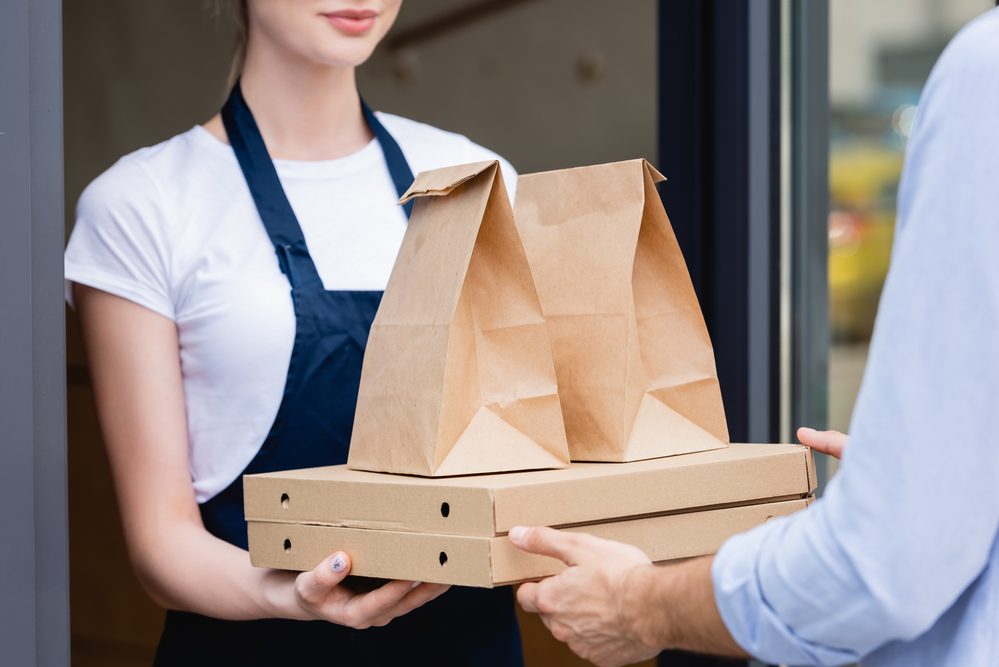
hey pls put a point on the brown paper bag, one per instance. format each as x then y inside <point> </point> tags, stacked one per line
<point>635,367</point>
<point>458,375</point>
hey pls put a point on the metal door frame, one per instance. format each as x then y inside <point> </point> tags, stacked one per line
<point>744,140</point>
<point>34,568</point>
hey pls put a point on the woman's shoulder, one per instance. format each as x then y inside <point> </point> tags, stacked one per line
<point>122,237</point>
<point>428,147</point>
<point>145,176</point>
<point>139,202</point>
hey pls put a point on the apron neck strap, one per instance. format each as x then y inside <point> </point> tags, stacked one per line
<point>269,197</point>
<point>402,175</point>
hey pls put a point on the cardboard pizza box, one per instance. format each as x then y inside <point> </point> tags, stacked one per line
<point>487,561</point>
<point>489,505</point>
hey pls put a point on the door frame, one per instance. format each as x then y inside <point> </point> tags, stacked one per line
<point>806,183</point>
<point>34,563</point>
<point>744,141</point>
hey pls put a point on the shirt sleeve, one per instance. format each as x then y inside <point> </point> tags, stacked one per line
<point>909,522</point>
<point>119,240</point>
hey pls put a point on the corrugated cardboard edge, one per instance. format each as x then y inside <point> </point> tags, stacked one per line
<point>811,479</point>
<point>441,182</point>
<point>373,553</point>
<point>371,505</point>
<point>725,482</point>
<point>662,539</point>
<point>493,561</point>
<point>416,504</point>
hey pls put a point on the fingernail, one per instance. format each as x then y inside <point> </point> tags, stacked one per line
<point>517,533</point>
<point>338,563</point>
<point>414,584</point>
<point>805,429</point>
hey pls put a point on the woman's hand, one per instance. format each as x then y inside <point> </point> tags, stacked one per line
<point>828,442</point>
<point>321,596</point>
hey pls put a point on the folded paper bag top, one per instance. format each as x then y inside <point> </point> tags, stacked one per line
<point>458,375</point>
<point>635,366</point>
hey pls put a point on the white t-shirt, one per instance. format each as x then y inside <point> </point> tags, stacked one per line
<point>173,228</point>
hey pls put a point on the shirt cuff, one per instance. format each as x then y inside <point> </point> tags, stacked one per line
<point>743,605</point>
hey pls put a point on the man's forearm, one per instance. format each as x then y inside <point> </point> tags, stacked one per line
<point>673,606</point>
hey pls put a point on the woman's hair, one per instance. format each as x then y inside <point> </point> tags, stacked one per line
<point>237,12</point>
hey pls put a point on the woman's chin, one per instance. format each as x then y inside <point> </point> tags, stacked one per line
<point>343,55</point>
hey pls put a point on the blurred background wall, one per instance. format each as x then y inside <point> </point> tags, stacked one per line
<point>546,83</point>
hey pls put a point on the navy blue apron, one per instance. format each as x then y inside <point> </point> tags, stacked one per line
<point>313,425</point>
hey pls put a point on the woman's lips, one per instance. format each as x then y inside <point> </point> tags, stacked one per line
<point>352,22</point>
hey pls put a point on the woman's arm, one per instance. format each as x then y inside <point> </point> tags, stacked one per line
<point>135,365</point>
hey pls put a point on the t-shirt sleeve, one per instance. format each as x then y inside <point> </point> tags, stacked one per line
<point>119,240</point>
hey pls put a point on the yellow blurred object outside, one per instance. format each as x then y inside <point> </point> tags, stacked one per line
<point>863,180</point>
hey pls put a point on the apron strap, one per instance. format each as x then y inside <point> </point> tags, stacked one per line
<point>398,167</point>
<point>269,197</point>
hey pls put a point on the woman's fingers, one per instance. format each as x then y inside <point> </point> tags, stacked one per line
<point>383,604</point>
<point>367,607</point>
<point>319,593</point>
<point>827,442</point>
<point>415,599</point>
<point>361,610</point>
<point>418,597</point>
<point>313,587</point>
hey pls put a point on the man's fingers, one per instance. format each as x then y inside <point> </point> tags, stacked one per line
<point>527,596</point>
<point>560,631</point>
<point>827,442</point>
<point>315,585</point>
<point>570,548</point>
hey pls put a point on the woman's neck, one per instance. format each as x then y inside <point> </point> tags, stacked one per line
<point>305,111</point>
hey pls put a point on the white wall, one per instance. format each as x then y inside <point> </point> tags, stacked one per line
<point>547,83</point>
<point>859,27</point>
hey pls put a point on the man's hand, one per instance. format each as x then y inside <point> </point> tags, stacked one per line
<point>592,606</point>
<point>828,442</point>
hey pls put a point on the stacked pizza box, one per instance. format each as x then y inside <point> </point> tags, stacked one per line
<point>543,362</point>
<point>453,530</point>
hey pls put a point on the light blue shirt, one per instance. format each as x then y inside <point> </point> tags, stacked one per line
<point>898,563</point>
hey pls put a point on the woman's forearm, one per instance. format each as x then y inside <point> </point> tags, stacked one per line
<point>134,362</point>
<point>139,390</point>
<point>188,569</point>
